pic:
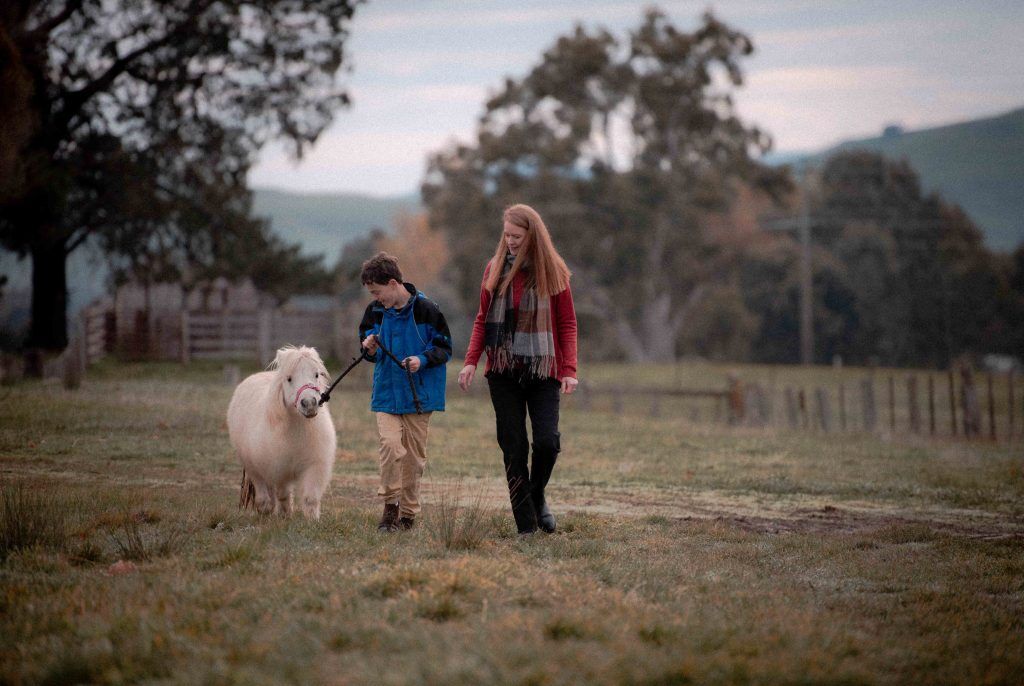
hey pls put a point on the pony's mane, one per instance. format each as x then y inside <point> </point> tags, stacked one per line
<point>289,357</point>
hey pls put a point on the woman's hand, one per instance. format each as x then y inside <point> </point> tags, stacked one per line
<point>569,385</point>
<point>466,376</point>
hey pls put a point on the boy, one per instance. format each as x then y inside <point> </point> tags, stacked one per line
<point>412,328</point>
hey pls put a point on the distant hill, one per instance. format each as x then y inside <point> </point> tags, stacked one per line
<point>324,222</point>
<point>977,164</point>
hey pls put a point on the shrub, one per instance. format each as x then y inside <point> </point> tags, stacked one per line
<point>28,519</point>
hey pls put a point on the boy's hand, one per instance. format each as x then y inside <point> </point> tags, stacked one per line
<point>412,363</point>
<point>569,385</point>
<point>370,344</point>
<point>466,376</point>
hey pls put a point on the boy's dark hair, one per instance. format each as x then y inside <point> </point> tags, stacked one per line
<point>380,269</point>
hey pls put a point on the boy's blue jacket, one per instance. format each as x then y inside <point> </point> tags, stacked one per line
<point>418,328</point>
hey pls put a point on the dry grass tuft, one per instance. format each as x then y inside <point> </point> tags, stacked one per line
<point>455,526</point>
<point>135,542</point>
<point>29,519</point>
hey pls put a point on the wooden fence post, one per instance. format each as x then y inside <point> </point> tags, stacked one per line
<point>952,403</point>
<point>186,343</point>
<point>110,342</point>
<point>915,410</point>
<point>757,406</point>
<point>805,418</point>
<point>892,405</point>
<point>824,409</point>
<point>71,369</point>
<point>338,333</point>
<point>991,409</point>
<point>969,403</point>
<point>263,336</point>
<point>83,349</point>
<point>736,399</point>
<point>791,408</point>
<point>1009,405</point>
<point>931,405</point>
<point>867,394</point>
<point>842,407</point>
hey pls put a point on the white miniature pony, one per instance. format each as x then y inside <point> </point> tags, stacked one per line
<point>280,436</point>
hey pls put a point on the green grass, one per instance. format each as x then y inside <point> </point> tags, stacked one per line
<point>686,552</point>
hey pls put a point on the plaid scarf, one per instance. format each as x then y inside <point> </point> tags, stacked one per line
<point>519,341</point>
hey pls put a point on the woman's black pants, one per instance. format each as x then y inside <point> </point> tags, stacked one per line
<point>513,399</point>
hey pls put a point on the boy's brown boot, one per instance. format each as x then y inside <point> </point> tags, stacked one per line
<point>406,523</point>
<point>389,520</point>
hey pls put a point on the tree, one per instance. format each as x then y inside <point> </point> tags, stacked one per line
<point>182,92</point>
<point>16,86</point>
<point>422,251</point>
<point>925,286</point>
<point>621,146</point>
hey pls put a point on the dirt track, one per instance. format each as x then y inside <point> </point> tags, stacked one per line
<point>757,511</point>
<point>760,512</point>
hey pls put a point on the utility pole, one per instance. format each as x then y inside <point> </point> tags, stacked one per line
<point>801,226</point>
<point>806,303</point>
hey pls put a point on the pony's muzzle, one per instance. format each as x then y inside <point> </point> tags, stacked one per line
<point>308,406</point>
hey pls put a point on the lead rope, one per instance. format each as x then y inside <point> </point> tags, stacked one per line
<point>408,375</point>
<point>326,395</point>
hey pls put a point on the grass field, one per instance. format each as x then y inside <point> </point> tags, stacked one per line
<point>687,552</point>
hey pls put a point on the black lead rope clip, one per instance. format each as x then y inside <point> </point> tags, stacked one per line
<point>326,395</point>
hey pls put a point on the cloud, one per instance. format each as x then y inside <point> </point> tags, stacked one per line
<point>382,162</point>
<point>824,71</point>
<point>407,62</point>
<point>468,17</point>
<point>805,81</point>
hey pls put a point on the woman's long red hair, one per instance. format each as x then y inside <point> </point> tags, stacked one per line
<point>548,270</point>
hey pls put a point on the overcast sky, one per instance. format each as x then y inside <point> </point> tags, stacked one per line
<point>823,71</point>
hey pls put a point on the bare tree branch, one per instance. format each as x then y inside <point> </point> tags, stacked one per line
<point>76,100</point>
<point>44,28</point>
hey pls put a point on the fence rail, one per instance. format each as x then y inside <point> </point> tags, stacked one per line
<point>215,335</point>
<point>958,404</point>
<point>955,403</point>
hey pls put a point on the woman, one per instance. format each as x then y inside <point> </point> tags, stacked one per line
<point>527,326</point>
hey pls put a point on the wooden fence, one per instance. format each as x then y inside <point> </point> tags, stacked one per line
<point>957,403</point>
<point>202,335</point>
<point>246,334</point>
<point>97,331</point>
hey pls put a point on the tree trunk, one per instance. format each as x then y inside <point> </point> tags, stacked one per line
<point>49,329</point>
<point>659,338</point>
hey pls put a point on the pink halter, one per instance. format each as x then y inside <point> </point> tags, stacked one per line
<point>299,392</point>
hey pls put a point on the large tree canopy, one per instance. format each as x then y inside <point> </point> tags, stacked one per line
<point>620,144</point>
<point>924,284</point>
<point>144,118</point>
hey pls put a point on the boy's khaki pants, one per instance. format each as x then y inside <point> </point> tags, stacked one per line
<point>403,455</point>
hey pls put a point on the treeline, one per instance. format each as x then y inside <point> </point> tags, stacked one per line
<point>132,126</point>
<point>900,277</point>
<point>653,189</point>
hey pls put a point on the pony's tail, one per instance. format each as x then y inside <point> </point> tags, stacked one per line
<point>247,493</point>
